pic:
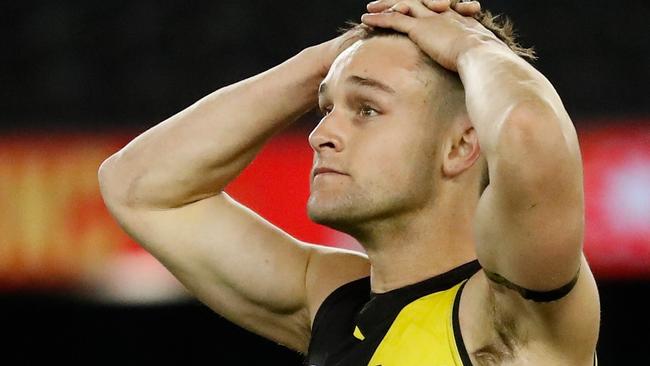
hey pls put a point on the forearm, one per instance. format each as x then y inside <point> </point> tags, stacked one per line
<point>518,116</point>
<point>498,83</point>
<point>197,152</point>
<point>530,219</point>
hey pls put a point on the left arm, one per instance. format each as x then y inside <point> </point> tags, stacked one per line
<point>529,223</point>
<point>530,218</point>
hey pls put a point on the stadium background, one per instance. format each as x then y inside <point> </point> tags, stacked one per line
<point>81,78</point>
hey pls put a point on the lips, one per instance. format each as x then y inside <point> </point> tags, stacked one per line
<point>323,170</point>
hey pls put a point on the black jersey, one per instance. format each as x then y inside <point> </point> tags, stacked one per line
<point>416,325</point>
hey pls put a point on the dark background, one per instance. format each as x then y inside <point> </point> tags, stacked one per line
<point>126,65</point>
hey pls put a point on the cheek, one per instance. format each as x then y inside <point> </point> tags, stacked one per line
<point>417,155</point>
<point>394,160</point>
<point>398,150</point>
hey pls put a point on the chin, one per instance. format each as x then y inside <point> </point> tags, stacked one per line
<point>321,214</point>
<point>329,214</point>
<point>340,215</point>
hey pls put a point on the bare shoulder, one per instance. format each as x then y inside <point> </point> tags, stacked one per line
<point>501,327</point>
<point>330,268</point>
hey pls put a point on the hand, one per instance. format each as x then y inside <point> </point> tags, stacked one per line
<point>467,8</point>
<point>328,51</point>
<point>439,31</point>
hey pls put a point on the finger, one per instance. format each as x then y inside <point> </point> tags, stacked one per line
<point>383,5</point>
<point>467,8</point>
<point>412,8</point>
<point>438,6</point>
<point>392,20</point>
<point>380,5</point>
<point>401,8</point>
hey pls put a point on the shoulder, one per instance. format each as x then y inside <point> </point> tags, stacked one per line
<point>330,268</point>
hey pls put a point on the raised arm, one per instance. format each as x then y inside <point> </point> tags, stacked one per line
<point>165,188</point>
<point>530,219</point>
<point>535,193</point>
<point>529,222</point>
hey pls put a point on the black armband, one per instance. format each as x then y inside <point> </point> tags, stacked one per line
<point>537,296</point>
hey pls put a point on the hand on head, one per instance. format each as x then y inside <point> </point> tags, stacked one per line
<point>465,8</point>
<point>382,14</point>
<point>452,23</point>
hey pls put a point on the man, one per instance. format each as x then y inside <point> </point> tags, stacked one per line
<point>456,272</point>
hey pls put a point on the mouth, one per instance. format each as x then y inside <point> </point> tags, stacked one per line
<point>325,170</point>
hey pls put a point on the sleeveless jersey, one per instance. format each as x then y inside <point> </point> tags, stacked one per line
<point>416,325</point>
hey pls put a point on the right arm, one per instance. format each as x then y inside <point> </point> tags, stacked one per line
<point>165,188</point>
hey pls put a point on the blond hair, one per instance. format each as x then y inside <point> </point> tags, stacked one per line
<point>501,26</point>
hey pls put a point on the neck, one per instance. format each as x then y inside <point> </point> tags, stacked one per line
<point>419,245</point>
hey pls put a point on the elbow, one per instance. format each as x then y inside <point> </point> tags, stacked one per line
<point>112,182</point>
<point>106,178</point>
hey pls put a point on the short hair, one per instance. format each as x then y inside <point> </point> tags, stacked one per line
<point>501,26</point>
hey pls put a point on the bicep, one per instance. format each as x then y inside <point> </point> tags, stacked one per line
<point>544,283</point>
<point>237,263</point>
<point>529,221</point>
<point>537,248</point>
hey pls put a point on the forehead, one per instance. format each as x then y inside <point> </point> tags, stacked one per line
<point>396,61</point>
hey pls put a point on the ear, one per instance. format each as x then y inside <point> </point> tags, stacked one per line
<point>462,149</point>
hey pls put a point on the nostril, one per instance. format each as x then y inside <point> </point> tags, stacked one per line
<point>327,144</point>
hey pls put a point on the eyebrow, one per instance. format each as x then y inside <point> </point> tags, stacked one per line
<point>370,83</point>
<point>364,82</point>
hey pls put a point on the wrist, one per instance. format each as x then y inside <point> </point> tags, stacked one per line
<point>303,72</point>
<point>478,47</point>
<point>315,57</point>
<point>325,53</point>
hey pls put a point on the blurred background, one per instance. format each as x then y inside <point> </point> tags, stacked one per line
<point>79,79</point>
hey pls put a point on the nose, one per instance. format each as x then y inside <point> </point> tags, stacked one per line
<point>328,135</point>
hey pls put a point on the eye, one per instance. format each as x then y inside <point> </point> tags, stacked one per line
<point>367,111</point>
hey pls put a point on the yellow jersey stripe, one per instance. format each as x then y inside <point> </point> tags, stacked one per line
<point>422,334</point>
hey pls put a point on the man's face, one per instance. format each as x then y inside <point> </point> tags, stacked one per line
<point>378,135</point>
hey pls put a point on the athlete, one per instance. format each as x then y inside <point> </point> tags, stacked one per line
<point>443,152</point>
